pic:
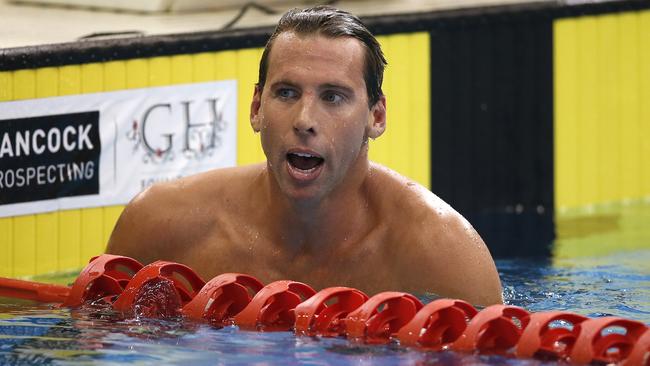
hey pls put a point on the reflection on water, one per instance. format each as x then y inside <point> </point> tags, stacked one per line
<point>618,284</point>
<point>602,229</point>
<point>600,267</point>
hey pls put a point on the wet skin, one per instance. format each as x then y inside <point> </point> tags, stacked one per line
<point>317,211</point>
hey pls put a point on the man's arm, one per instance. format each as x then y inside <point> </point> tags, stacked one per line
<point>465,267</point>
<point>473,268</point>
<point>135,233</point>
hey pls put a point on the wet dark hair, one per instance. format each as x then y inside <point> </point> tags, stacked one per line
<point>333,23</point>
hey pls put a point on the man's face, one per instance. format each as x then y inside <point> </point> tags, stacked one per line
<point>313,113</point>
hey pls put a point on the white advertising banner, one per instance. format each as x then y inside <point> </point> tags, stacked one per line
<point>102,149</point>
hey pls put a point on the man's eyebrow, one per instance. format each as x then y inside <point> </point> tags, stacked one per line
<point>283,83</point>
<point>343,88</point>
<point>287,83</point>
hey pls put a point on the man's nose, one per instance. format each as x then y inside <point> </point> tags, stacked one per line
<point>305,122</point>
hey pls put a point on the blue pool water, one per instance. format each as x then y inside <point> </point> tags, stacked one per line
<point>613,284</point>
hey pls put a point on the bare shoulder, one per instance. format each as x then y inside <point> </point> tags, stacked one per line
<point>169,217</point>
<point>438,249</point>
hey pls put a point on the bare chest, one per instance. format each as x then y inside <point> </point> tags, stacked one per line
<point>367,263</point>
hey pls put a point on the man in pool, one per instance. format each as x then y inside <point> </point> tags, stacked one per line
<point>317,211</point>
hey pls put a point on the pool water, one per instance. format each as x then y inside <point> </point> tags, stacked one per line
<point>615,284</point>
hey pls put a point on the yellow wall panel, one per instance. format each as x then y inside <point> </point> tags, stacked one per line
<point>24,84</point>
<point>6,85</point>
<point>630,164</point>
<point>386,143</point>
<point>92,78</point>
<point>602,118</point>
<point>69,80</point>
<point>225,65</point>
<point>420,103</point>
<point>24,252</point>
<point>587,116</point>
<point>404,146</point>
<point>69,239</point>
<point>181,69</point>
<point>608,106</point>
<point>114,75</point>
<point>248,143</point>
<point>400,93</point>
<point>203,67</point>
<point>47,82</point>
<point>644,97</point>
<point>92,234</point>
<point>47,243</point>
<point>6,247</point>
<point>565,44</point>
<point>137,73</point>
<point>160,71</point>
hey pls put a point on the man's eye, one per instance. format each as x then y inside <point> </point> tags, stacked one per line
<point>286,93</point>
<point>334,98</point>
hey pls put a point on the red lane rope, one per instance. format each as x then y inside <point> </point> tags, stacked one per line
<point>164,289</point>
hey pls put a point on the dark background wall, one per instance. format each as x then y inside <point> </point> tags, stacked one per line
<point>492,127</point>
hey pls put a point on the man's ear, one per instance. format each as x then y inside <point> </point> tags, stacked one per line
<point>256,122</point>
<point>377,119</point>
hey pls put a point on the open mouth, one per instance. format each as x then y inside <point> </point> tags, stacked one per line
<point>304,166</point>
<point>304,161</point>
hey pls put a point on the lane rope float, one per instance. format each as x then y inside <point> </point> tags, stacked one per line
<point>167,289</point>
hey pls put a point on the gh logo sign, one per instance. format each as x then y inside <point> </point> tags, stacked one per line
<point>165,126</point>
